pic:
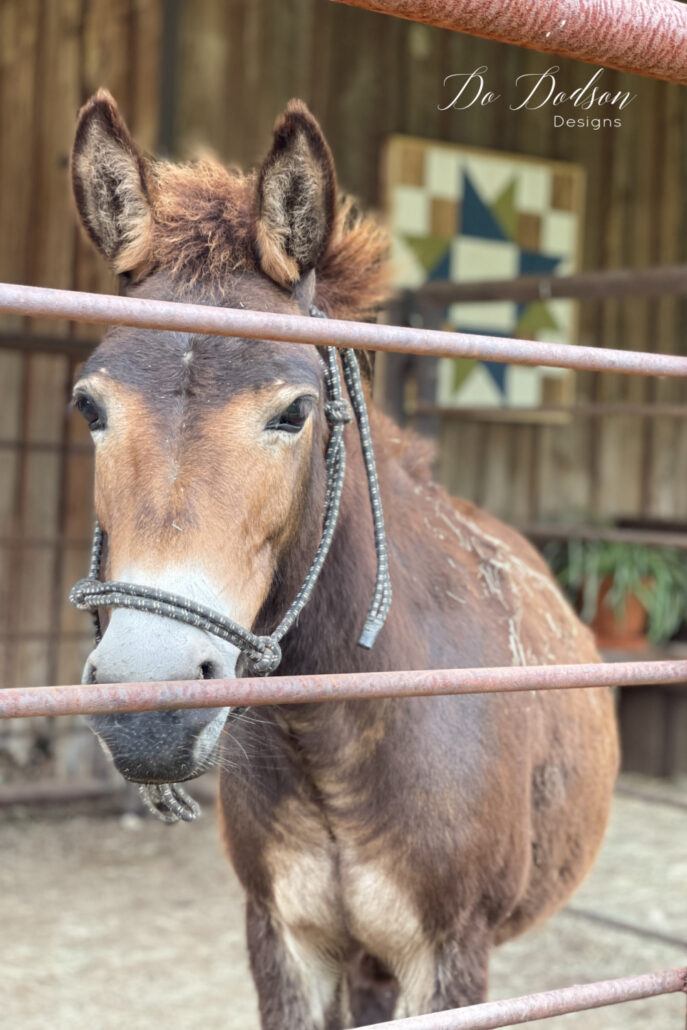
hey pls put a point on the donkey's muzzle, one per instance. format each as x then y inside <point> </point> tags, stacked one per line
<point>160,747</point>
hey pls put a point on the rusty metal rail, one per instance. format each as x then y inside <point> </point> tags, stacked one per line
<point>648,37</point>
<point>200,318</point>
<point>93,698</point>
<point>530,1007</point>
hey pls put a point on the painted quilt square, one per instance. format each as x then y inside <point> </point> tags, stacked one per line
<point>462,214</point>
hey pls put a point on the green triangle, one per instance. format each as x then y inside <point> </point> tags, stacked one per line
<point>535,317</point>
<point>462,368</point>
<point>504,209</point>
<point>429,250</point>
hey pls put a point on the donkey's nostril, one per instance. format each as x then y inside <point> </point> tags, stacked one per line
<point>208,671</point>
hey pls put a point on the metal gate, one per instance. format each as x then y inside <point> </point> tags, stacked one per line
<point>648,38</point>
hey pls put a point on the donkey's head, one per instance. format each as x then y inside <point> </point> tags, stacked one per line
<point>209,478</point>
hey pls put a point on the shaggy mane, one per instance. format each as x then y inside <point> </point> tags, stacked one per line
<point>204,226</point>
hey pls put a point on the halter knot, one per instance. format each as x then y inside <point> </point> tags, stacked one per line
<point>79,593</point>
<point>265,659</point>
<point>338,412</point>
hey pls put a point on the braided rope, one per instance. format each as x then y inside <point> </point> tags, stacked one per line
<point>381,601</point>
<point>169,802</point>
<point>93,571</point>
<point>263,653</point>
<point>338,412</point>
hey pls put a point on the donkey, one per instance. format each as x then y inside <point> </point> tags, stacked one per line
<point>383,846</point>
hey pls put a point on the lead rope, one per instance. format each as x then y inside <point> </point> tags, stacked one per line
<point>338,414</point>
<point>263,653</point>
<point>381,601</point>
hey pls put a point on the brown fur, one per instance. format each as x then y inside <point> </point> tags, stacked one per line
<point>201,226</point>
<point>384,846</point>
<point>204,235</point>
<point>111,187</point>
<point>159,507</point>
<point>296,198</point>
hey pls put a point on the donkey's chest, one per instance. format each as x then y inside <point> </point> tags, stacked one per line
<point>332,892</point>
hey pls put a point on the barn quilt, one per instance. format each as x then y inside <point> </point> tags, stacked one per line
<point>463,214</point>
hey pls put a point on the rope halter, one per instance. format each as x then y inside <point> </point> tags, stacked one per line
<point>262,654</point>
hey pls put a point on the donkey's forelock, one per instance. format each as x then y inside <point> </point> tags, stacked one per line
<point>206,225</point>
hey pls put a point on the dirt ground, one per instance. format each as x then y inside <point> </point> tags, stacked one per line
<point>116,922</point>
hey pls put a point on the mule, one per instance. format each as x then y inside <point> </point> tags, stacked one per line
<point>383,846</point>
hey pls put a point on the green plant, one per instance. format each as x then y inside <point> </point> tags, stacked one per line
<point>656,575</point>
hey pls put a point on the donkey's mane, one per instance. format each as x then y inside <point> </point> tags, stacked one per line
<point>204,229</point>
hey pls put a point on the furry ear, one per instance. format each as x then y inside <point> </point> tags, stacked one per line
<point>109,180</point>
<point>296,197</point>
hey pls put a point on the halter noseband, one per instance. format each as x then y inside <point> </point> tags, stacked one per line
<point>263,653</point>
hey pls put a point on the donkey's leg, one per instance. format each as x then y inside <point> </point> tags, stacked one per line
<point>459,976</point>
<point>298,986</point>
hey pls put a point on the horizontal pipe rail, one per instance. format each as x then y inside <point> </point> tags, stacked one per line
<point>42,793</point>
<point>530,1007</point>
<point>601,284</point>
<point>598,285</point>
<point>95,698</point>
<point>648,37</point>
<point>39,343</point>
<point>199,318</point>
<point>45,792</point>
<point>608,534</point>
<point>547,414</point>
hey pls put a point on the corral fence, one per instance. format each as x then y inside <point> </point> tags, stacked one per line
<point>648,38</point>
<point>147,696</point>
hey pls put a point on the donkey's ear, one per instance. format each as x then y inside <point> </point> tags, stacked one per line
<point>296,198</point>
<point>109,179</point>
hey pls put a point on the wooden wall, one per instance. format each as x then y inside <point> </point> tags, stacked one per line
<point>214,73</point>
<point>366,76</point>
<point>53,55</point>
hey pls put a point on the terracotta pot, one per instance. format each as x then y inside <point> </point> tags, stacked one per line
<point>624,633</point>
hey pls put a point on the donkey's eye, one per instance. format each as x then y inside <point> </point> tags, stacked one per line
<point>90,411</point>
<point>293,418</point>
